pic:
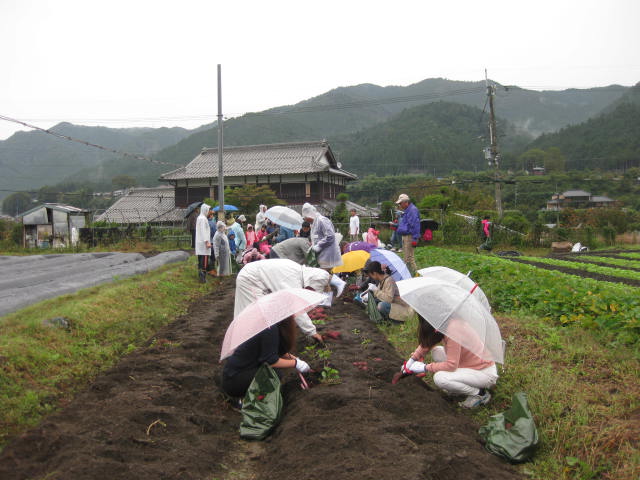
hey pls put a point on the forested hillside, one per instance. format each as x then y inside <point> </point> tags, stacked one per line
<point>433,139</point>
<point>29,160</point>
<point>608,141</point>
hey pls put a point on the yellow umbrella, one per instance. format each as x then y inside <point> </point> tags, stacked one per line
<point>352,261</point>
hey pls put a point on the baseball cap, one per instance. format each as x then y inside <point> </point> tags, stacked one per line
<point>403,198</point>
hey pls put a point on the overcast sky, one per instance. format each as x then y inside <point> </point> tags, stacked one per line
<point>153,62</point>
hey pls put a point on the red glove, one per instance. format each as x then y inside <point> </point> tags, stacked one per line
<point>414,243</point>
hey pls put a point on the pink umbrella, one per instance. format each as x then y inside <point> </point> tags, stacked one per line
<point>265,312</point>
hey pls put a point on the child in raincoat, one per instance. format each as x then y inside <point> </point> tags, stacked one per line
<point>251,236</point>
<point>222,249</point>
<point>455,369</point>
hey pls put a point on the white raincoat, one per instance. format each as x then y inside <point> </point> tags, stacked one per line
<point>323,238</point>
<point>257,279</point>
<point>203,232</point>
<point>261,218</point>
<point>222,250</point>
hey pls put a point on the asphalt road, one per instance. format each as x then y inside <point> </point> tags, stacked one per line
<point>30,279</point>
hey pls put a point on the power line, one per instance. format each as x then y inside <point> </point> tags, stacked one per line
<point>135,156</point>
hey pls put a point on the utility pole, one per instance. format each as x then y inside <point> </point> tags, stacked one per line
<point>220,148</point>
<point>492,153</point>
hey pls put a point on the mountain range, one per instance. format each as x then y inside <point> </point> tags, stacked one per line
<point>426,124</point>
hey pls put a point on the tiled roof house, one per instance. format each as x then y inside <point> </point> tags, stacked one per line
<point>296,172</point>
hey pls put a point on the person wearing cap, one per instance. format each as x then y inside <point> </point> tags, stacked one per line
<point>409,230</point>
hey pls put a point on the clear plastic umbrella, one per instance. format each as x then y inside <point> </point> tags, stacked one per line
<point>456,313</point>
<point>458,278</point>
<point>285,216</point>
<point>265,312</point>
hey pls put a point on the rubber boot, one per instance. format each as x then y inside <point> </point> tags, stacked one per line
<point>337,282</point>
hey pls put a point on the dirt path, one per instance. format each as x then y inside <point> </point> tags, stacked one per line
<point>158,415</point>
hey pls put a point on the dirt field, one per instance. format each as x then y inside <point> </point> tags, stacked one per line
<point>159,415</point>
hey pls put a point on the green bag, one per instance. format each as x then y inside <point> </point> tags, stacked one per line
<point>512,434</point>
<point>262,405</point>
<point>372,309</point>
<point>312,259</point>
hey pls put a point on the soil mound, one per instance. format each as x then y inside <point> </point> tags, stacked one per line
<point>159,415</point>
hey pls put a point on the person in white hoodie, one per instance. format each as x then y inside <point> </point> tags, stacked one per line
<point>203,241</point>
<point>324,243</point>
<point>261,218</point>
<point>257,279</point>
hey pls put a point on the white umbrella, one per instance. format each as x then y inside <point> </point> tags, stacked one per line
<point>456,313</point>
<point>285,217</point>
<point>265,312</point>
<point>458,278</point>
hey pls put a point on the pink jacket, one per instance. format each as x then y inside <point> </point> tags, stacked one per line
<point>457,357</point>
<point>372,236</point>
<point>251,236</point>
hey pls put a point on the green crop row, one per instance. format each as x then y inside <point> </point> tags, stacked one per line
<point>559,298</point>
<point>611,261</point>
<point>630,255</point>
<point>587,267</point>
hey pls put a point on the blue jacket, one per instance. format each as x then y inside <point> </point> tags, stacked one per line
<point>410,222</point>
<point>285,233</point>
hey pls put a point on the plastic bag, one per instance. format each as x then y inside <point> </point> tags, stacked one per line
<point>512,434</point>
<point>372,309</point>
<point>262,405</point>
<point>312,259</point>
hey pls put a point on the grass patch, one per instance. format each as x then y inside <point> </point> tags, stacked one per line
<point>583,391</point>
<point>42,366</point>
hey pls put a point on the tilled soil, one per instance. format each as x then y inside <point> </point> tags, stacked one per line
<point>159,415</point>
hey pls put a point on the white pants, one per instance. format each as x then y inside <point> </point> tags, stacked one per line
<point>462,381</point>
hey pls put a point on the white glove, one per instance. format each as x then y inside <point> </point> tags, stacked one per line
<point>406,366</point>
<point>316,248</point>
<point>302,366</point>
<point>373,287</point>
<point>417,367</point>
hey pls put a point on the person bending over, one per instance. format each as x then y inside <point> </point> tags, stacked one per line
<point>272,346</point>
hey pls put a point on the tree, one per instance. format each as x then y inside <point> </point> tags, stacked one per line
<point>534,157</point>
<point>48,194</point>
<point>248,197</point>
<point>121,182</point>
<point>554,160</point>
<point>16,203</point>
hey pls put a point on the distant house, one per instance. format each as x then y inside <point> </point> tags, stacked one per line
<point>51,225</point>
<point>144,205</point>
<point>578,199</point>
<point>539,171</point>
<point>296,172</point>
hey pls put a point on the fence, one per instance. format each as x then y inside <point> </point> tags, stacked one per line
<point>167,236</point>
